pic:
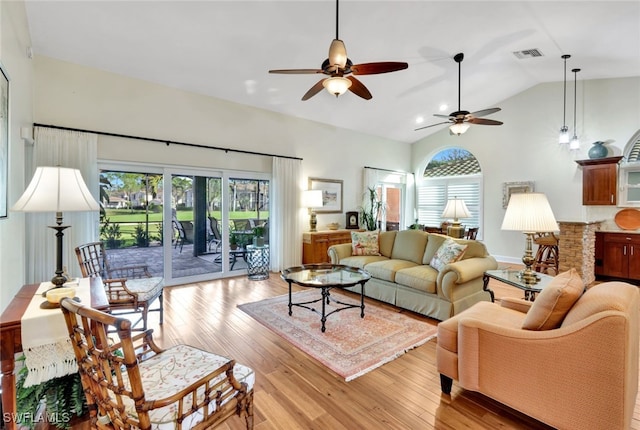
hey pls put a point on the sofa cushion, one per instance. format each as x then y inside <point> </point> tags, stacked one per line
<point>386,270</point>
<point>474,248</point>
<point>364,243</point>
<point>554,301</point>
<point>409,245</point>
<point>386,242</point>
<point>434,241</point>
<point>449,252</point>
<point>421,278</point>
<point>360,261</point>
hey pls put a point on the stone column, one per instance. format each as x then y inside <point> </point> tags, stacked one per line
<point>576,248</point>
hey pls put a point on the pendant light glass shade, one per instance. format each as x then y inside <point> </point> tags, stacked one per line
<point>564,130</point>
<point>575,142</point>
<point>336,85</point>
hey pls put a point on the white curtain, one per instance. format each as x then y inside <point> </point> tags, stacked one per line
<point>286,231</point>
<point>63,148</point>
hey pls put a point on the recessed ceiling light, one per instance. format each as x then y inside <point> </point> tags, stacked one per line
<point>444,107</point>
<point>419,120</point>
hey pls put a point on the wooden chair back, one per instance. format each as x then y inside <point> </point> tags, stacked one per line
<point>92,261</point>
<point>472,233</point>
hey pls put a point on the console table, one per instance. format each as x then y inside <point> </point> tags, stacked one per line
<point>315,244</point>
<point>11,339</point>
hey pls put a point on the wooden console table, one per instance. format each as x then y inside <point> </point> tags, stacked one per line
<point>315,244</point>
<point>11,340</point>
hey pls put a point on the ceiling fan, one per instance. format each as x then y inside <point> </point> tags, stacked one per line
<point>337,66</point>
<point>461,119</point>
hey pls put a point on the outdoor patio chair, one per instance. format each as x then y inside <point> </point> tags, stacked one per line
<point>215,238</point>
<point>130,289</point>
<point>184,230</point>
<point>136,384</point>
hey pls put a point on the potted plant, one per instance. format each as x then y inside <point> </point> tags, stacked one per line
<point>233,240</point>
<point>258,235</point>
<point>371,210</point>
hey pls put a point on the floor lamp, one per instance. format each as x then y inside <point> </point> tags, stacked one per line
<point>57,189</point>
<point>529,213</point>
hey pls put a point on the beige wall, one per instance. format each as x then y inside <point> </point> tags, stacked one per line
<point>526,148</point>
<point>14,40</point>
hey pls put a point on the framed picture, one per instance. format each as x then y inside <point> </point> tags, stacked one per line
<point>352,220</point>
<point>4,141</point>
<point>331,194</point>
<point>509,188</point>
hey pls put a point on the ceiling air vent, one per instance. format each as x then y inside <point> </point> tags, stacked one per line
<point>528,53</point>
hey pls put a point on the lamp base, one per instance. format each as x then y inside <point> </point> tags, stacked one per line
<point>313,221</point>
<point>455,230</point>
<point>528,275</point>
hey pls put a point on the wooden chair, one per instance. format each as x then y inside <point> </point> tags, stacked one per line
<point>130,289</point>
<point>136,384</point>
<point>546,258</point>
<point>472,233</point>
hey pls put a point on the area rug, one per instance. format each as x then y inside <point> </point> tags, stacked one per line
<point>351,346</point>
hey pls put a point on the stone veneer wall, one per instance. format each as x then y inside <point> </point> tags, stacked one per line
<point>576,248</point>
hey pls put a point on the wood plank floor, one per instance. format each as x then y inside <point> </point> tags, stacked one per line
<point>293,391</point>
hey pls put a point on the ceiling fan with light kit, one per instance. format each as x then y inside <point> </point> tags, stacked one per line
<point>460,120</point>
<point>338,66</point>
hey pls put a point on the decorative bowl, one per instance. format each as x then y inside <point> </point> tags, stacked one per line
<point>54,295</point>
<point>333,226</point>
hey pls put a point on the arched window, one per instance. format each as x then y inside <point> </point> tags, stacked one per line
<point>453,172</point>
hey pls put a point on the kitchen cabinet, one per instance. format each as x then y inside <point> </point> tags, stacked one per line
<point>618,255</point>
<point>316,243</point>
<point>599,181</point>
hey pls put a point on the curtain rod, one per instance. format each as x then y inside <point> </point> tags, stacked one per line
<point>387,170</point>
<point>166,142</point>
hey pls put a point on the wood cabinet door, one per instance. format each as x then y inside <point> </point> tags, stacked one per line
<point>599,184</point>
<point>634,260</point>
<point>615,259</point>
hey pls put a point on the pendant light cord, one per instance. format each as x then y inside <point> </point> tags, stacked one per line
<point>575,98</point>
<point>337,13</point>
<point>564,100</point>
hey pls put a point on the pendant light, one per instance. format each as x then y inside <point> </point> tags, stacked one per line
<point>575,142</point>
<point>564,130</point>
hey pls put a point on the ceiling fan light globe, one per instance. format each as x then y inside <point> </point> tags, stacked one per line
<point>564,135</point>
<point>459,128</point>
<point>337,53</point>
<point>336,85</point>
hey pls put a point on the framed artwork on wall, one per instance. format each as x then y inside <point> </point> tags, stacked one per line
<point>509,188</point>
<point>4,141</point>
<point>352,220</point>
<point>331,194</point>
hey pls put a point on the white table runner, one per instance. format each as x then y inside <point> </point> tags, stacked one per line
<point>45,339</point>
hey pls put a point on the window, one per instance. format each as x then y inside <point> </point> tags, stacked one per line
<point>630,173</point>
<point>451,173</point>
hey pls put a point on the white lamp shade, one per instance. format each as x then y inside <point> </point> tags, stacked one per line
<point>529,212</point>
<point>575,142</point>
<point>312,199</point>
<point>337,53</point>
<point>564,135</point>
<point>455,209</point>
<point>459,128</point>
<point>336,85</point>
<point>56,189</point>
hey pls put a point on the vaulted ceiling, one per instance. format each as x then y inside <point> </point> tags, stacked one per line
<point>224,49</point>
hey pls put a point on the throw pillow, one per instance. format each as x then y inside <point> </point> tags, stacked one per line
<point>364,243</point>
<point>554,301</point>
<point>449,252</point>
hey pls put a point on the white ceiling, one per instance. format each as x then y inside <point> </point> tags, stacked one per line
<point>225,48</point>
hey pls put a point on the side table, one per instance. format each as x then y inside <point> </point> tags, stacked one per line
<point>257,262</point>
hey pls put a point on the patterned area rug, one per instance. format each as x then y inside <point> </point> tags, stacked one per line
<point>351,346</point>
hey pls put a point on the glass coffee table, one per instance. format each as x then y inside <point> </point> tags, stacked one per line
<point>512,278</point>
<point>326,277</point>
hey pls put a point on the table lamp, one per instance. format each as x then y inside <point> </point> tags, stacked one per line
<point>312,199</point>
<point>529,213</point>
<point>456,209</point>
<point>56,189</point>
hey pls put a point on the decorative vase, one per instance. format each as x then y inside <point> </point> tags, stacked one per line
<point>598,150</point>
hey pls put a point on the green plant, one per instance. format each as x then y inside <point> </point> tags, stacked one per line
<point>371,210</point>
<point>141,235</point>
<point>110,234</point>
<point>258,231</point>
<point>64,398</point>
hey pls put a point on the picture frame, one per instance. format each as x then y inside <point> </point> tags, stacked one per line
<point>4,142</point>
<point>509,188</point>
<point>352,221</point>
<point>331,194</point>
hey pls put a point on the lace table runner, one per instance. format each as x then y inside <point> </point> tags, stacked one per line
<point>45,339</point>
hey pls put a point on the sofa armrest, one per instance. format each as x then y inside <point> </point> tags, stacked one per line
<point>469,269</point>
<point>520,305</point>
<point>338,252</point>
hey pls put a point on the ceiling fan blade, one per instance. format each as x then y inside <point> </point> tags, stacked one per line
<point>359,89</point>
<point>297,71</point>
<point>483,121</point>
<point>433,125</point>
<point>313,90</point>
<point>485,112</point>
<point>441,116</point>
<point>375,68</point>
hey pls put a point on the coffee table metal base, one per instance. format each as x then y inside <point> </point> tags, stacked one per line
<point>326,299</point>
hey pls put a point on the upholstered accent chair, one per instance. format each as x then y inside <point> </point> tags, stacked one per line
<point>129,382</point>
<point>573,368</point>
<point>130,289</point>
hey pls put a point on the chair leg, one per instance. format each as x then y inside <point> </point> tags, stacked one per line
<point>247,410</point>
<point>160,297</point>
<point>445,384</point>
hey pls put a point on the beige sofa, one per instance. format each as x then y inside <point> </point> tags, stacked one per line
<point>401,274</point>
<point>582,373</point>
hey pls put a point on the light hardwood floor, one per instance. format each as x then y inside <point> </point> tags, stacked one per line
<point>293,391</point>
